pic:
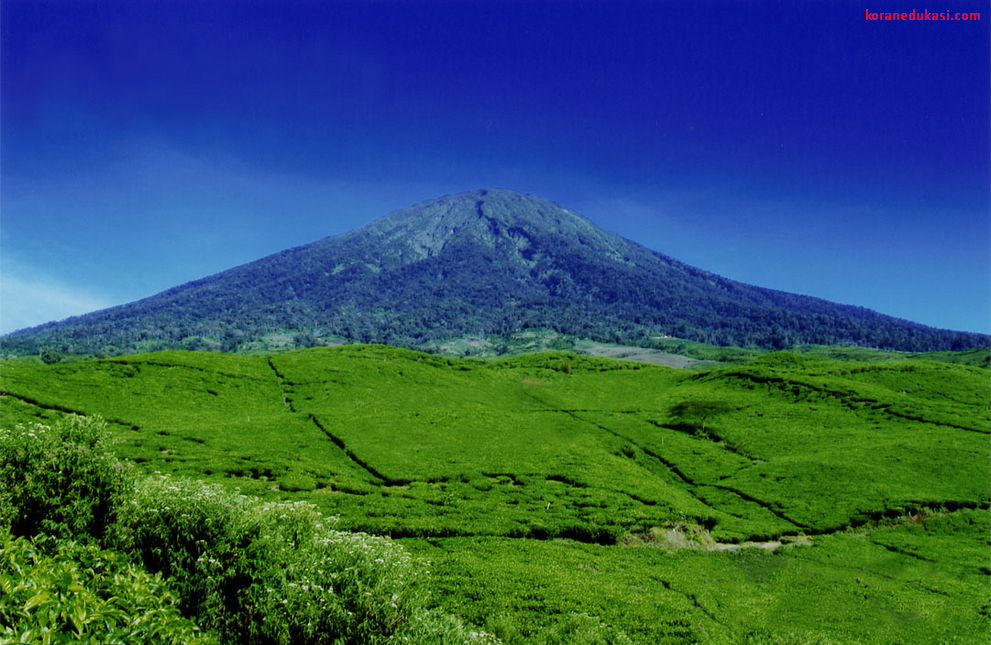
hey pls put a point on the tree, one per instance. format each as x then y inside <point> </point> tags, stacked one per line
<point>304,340</point>
<point>697,413</point>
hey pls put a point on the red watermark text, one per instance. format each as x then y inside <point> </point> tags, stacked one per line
<point>923,15</point>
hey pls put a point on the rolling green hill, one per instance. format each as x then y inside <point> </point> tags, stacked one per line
<point>788,499</point>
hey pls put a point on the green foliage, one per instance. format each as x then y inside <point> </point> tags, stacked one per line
<point>698,412</point>
<point>272,573</point>
<point>295,481</point>
<point>765,637</point>
<point>569,629</point>
<point>252,572</point>
<point>534,491</point>
<point>433,627</point>
<point>81,594</point>
<point>49,356</point>
<point>61,479</point>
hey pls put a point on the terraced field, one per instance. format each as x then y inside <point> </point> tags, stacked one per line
<point>554,493</point>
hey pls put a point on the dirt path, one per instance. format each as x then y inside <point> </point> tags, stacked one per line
<point>692,536</point>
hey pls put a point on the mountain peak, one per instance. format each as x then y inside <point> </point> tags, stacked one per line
<point>486,205</point>
<point>495,218</point>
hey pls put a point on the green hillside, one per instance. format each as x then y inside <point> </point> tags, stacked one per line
<point>557,493</point>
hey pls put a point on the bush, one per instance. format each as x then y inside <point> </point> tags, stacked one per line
<point>62,480</point>
<point>566,629</point>
<point>269,573</point>
<point>763,637</point>
<point>437,628</point>
<point>581,629</point>
<point>295,481</point>
<point>83,594</point>
<point>700,412</point>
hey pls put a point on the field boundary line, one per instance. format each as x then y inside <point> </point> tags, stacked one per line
<point>692,484</point>
<point>61,408</point>
<point>284,384</point>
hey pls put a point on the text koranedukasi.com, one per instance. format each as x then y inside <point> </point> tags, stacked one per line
<point>922,15</point>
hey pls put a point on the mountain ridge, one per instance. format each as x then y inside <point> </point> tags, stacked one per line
<point>488,261</point>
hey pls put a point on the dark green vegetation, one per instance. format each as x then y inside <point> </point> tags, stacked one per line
<point>226,568</point>
<point>67,592</point>
<point>565,499</point>
<point>488,263</point>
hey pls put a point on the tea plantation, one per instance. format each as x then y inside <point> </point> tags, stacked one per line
<point>561,498</point>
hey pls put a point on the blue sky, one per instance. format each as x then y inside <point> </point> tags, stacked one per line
<point>791,145</point>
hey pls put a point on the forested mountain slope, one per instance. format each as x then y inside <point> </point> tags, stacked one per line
<point>481,262</point>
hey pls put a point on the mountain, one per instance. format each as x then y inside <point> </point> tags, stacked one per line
<point>480,262</point>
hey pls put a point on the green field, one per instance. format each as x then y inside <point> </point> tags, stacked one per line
<point>562,494</point>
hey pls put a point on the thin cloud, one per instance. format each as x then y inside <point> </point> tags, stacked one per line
<point>26,301</point>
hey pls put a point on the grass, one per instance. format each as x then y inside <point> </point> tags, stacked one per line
<point>92,552</point>
<point>526,479</point>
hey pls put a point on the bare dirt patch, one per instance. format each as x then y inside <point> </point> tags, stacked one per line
<point>644,355</point>
<point>693,536</point>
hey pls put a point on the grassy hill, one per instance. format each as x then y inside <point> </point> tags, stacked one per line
<point>557,491</point>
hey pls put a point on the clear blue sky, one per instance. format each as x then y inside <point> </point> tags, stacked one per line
<point>793,145</point>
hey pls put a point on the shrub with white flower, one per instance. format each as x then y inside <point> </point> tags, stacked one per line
<point>272,572</point>
<point>251,572</point>
<point>62,480</point>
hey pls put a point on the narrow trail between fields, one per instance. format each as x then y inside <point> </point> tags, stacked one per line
<point>801,535</point>
<point>286,386</point>
<point>673,468</point>
<point>65,410</point>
